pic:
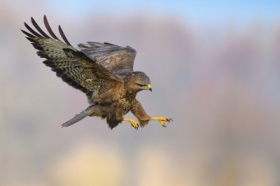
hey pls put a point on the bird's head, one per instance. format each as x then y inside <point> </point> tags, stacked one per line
<point>140,81</point>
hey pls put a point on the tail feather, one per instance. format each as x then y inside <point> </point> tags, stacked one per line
<point>79,117</point>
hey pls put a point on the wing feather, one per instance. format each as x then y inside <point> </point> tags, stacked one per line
<point>32,31</point>
<point>71,65</point>
<point>63,36</point>
<point>116,59</point>
<point>38,28</point>
<point>49,28</point>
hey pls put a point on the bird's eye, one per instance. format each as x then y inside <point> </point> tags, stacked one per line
<point>141,85</point>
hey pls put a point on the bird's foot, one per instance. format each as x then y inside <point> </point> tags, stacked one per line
<point>162,120</point>
<point>133,123</point>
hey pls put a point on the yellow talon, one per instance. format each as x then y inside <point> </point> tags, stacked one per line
<point>133,123</point>
<point>162,120</point>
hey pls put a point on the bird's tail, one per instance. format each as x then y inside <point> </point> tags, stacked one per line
<point>79,117</point>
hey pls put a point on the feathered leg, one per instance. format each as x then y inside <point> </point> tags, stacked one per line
<point>144,118</point>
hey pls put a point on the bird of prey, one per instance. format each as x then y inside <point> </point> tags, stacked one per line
<point>103,71</point>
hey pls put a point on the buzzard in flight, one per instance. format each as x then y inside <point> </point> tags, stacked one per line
<point>103,71</point>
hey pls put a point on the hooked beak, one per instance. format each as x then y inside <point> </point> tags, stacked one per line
<point>149,87</point>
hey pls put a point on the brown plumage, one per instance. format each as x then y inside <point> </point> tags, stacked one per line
<point>103,71</point>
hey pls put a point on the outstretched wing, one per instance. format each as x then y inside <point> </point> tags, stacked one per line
<point>73,66</point>
<point>116,59</point>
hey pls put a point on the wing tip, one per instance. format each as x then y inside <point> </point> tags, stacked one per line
<point>38,28</point>
<point>26,33</point>
<point>31,30</point>
<point>63,36</point>
<point>131,49</point>
<point>41,34</point>
<point>47,25</point>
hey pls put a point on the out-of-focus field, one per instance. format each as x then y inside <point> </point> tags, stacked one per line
<point>220,84</point>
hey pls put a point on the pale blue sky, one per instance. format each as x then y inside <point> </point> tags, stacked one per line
<point>193,11</point>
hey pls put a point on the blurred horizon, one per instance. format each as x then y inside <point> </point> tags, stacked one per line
<point>214,67</point>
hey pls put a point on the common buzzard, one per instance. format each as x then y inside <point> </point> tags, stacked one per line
<point>103,71</point>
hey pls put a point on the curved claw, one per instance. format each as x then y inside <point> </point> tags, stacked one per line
<point>162,120</point>
<point>133,123</point>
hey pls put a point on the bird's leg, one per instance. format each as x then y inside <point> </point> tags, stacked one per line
<point>162,120</point>
<point>133,123</point>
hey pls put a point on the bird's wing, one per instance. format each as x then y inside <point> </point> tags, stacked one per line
<point>73,66</point>
<point>118,60</point>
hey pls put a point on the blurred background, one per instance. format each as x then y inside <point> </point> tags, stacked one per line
<point>214,67</point>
